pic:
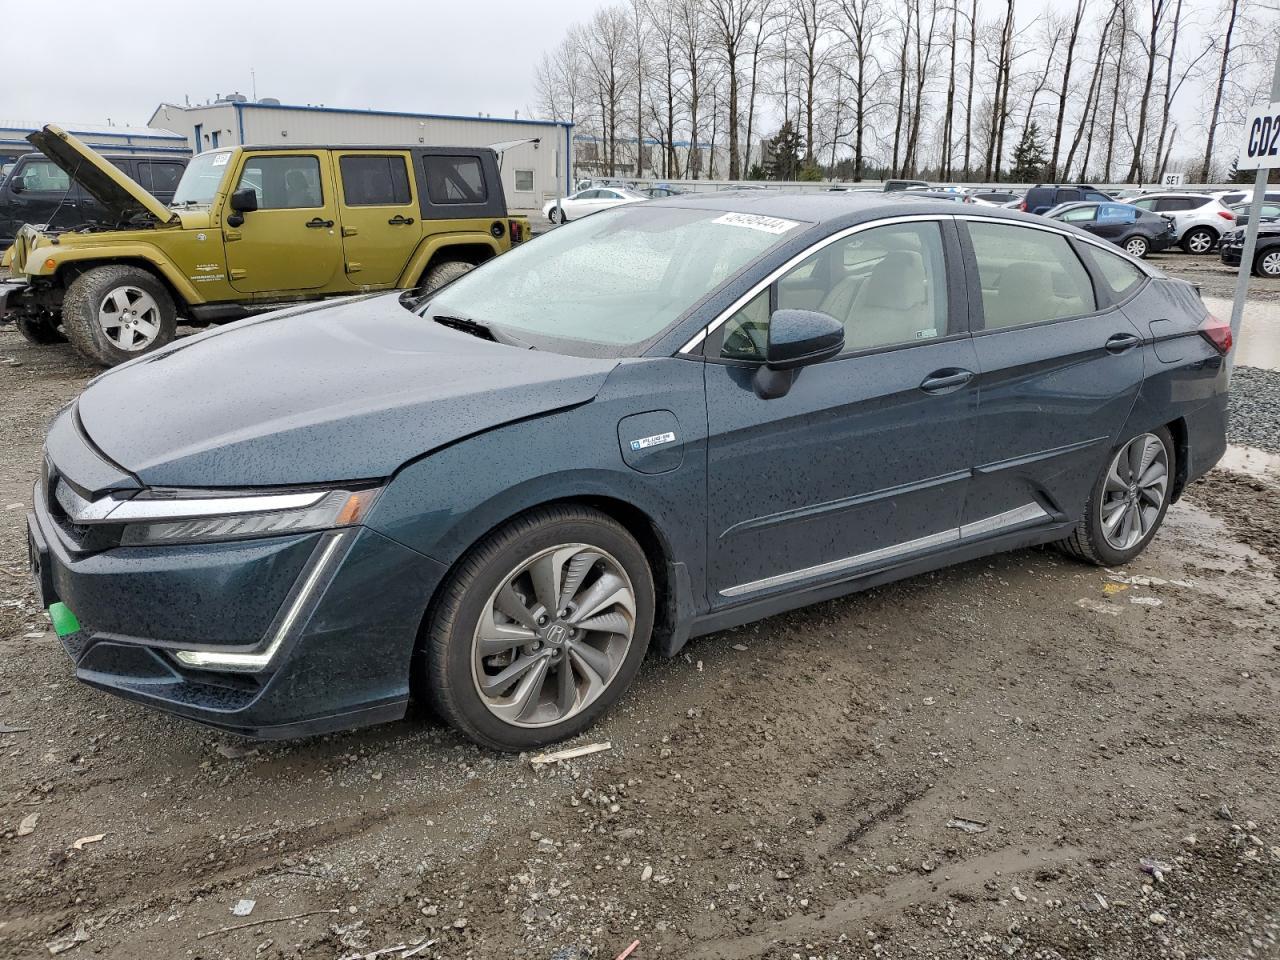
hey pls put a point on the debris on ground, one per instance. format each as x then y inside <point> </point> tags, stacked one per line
<point>69,942</point>
<point>5,728</point>
<point>571,753</point>
<point>1155,868</point>
<point>235,751</point>
<point>85,841</point>
<point>630,950</point>
<point>244,907</point>
<point>258,923</point>
<point>28,824</point>
<point>968,826</point>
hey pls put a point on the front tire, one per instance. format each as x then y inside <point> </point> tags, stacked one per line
<point>1267,263</point>
<point>1137,247</point>
<point>115,313</point>
<point>552,215</point>
<point>1199,241</point>
<point>1128,502</point>
<point>539,629</point>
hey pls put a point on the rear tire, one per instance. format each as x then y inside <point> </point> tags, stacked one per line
<point>1267,263</point>
<point>1105,536</point>
<point>42,331</point>
<point>446,271</point>
<point>115,313</point>
<point>552,215</point>
<point>1199,241</point>
<point>500,677</point>
<point>1137,247</point>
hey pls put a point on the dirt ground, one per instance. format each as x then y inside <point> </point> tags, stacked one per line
<point>975,763</point>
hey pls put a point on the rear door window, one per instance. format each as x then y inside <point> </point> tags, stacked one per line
<point>1078,214</point>
<point>374,181</point>
<point>1028,276</point>
<point>1117,213</point>
<point>1067,196</point>
<point>455,179</point>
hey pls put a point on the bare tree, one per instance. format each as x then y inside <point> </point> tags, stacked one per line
<point>1151,49</point>
<point>1089,117</point>
<point>1232,12</point>
<point>924,44</point>
<point>1000,109</point>
<point>691,28</point>
<point>858,22</point>
<point>973,73</point>
<point>810,20</point>
<point>763,29</point>
<point>1064,86</point>
<point>944,164</point>
<point>640,48</point>
<point>900,117</point>
<point>667,63</point>
<point>730,21</point>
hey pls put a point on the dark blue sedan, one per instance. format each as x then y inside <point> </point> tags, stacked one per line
<point>661,421</point>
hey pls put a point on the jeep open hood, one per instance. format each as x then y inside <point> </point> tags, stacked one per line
<point>108,184</point>
<point>343,392</point>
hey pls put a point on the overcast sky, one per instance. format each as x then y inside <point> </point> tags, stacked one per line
<point>117,59</point>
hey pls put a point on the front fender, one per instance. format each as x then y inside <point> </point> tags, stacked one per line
<point>137,251</point>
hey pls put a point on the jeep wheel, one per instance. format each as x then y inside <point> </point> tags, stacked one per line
<point>40,330</point>
<point>113,314</point>
<point>446,271</point>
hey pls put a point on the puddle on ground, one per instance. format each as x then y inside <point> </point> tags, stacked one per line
<point>1259,342</point>
<point>1251,460</point>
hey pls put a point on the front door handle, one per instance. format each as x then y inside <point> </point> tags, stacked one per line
<point>400,220</point>
<point>1120,342</point>
<point>318,224</point>
<point>946,380</point>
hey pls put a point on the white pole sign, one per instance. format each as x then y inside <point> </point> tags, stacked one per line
<point>1261,138</point>
<point>1173,180</point>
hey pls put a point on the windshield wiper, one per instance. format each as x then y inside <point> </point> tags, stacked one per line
<point>481,330</point>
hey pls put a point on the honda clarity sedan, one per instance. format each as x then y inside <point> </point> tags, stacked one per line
<point>664,420</point>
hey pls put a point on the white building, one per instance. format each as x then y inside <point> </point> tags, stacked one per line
<point>535,159</point>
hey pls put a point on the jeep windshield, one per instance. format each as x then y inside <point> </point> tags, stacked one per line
<point>200,180</point>
<point>608,285</point>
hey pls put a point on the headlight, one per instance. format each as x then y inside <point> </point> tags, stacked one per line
<point>161,516</point>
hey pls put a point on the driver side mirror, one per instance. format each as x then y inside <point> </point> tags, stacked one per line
<point>797,338</point>
<point>244,200</point>
<point>18,185</point>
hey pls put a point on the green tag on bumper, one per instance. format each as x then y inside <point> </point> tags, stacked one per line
<point>64,621</point>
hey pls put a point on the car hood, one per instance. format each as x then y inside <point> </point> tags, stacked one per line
<point>320,394</point>
<point>121,196</point>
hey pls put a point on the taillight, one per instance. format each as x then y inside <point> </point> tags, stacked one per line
<point>1218,333</point>
<point>1227,215</point>
<point>517,231</point>
<point>1023,206</point>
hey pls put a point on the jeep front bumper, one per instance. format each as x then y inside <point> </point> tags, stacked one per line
<point>12,298</point>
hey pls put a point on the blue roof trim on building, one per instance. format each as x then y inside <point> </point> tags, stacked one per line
<point>400,113</point>
<point>175,138</point>
<point>114,147</point>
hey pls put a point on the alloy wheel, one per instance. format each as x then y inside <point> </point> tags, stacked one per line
<point>553,636</point>
<point>1269,264</point>
<point>1134,492</point>
<point>1136,247</point>
<point>1200,242</point>
<point>130,318</point>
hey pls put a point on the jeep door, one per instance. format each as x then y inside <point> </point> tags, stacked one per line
<point>865,460</point>
<point>291,242</point>
<point>380,227</point>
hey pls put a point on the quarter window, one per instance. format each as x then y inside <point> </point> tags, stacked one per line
<point>1028,276</point>
<point>1118,275</point>
<point>524,181</point>
<point>374,181</point>
<point>1117,213</point>
<point>455,179</point>
<point>283,183</point>
<point>887,285</point>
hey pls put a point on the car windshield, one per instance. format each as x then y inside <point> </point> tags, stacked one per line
<point>610,284</point>
<point>200,180</point>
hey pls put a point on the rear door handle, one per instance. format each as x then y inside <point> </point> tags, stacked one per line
<point>318,224</point>
<point>943,381</point>
<point>400,220</point>
<point>1121,342</point>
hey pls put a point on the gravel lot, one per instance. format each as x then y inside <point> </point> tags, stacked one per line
<point>975,763</point>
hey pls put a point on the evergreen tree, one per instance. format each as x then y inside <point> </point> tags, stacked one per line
<point>1029,156</point>
<point>787,150</point>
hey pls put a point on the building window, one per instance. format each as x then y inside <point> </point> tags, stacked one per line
<point>524,181</point>
<point>213,135</point>
<point>454,179</point>
<point>373,181</point>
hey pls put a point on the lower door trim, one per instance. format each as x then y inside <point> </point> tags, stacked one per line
<point>1028,513</point>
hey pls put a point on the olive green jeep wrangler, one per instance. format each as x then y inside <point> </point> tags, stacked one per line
<point>249,229</point>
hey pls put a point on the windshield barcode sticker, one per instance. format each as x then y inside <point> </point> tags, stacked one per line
<point>221,159</point>
<point>753,221</point>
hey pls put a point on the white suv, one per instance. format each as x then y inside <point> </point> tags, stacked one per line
<point>1199,219</point>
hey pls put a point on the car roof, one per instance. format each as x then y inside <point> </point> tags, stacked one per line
<point>824,206</point>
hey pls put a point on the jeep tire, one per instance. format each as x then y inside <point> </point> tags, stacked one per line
<point>446,271</point>
<point>115,313</point>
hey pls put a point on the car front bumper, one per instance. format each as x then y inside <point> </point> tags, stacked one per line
<point>1230,252</point>
<point>12,293</point>
<point>339,610</point>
